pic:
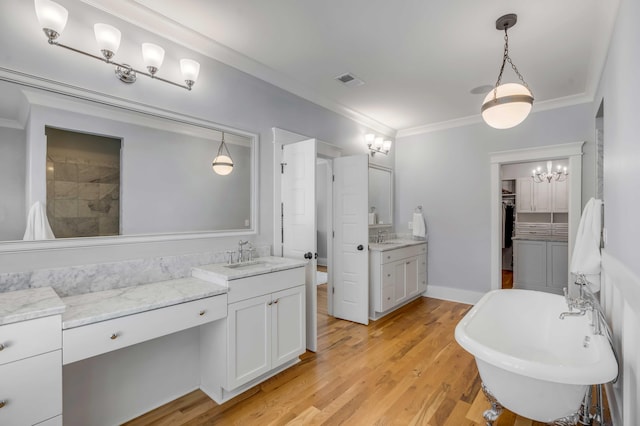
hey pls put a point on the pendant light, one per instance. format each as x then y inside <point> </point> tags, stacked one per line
<point>222,164</point>
<point>507,105</point>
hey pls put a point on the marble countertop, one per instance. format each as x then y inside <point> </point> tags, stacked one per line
<point>89,308</point>
<point>554,238</point>
<point>29,304</point>
<point>394,244</point>
<point>221,273</point>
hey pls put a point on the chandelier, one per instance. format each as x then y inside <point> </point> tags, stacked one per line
<point>507,105</point>
<point>560,174</point>
<point>222,164</point>
<point>53,18</point>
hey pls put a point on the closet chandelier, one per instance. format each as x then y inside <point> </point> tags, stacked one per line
<point>53,19</point>
<point>377,144</point>
<point>507,105</point>
<point>560,174</point>
<point>222,164</point>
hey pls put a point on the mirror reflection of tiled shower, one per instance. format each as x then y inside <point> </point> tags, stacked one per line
<point>83,184</point>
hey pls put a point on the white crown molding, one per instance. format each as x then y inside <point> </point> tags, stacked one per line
<point>474,119</point>
<point>11,124</point>
<point>149,20</point>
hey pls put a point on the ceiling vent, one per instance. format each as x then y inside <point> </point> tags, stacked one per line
<point>350,80</point>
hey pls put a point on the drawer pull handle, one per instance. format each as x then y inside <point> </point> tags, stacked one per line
<point>1,347</point>
<point>388,257</point>
<point>201,313</point>
<point>3,403</point>
<point>275,301</point>
<point>114,336</point>
<point>388,275</point>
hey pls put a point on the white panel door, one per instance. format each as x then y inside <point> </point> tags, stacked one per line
<point>350,222</point>
<point>298,196</point>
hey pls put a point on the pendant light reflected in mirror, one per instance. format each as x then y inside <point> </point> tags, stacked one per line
<point>222,164</point>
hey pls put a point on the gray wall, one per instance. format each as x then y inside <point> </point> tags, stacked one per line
<point>12,182</point>
<point>620,89</point>
<point>447,172</point>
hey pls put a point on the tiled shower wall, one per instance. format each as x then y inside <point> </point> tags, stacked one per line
<point>83,184</point>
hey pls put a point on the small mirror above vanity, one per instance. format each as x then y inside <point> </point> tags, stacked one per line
<point>380,196</point>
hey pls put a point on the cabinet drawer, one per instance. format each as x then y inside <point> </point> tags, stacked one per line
<point>404,252</point>
<point>95,339</point>
<point>388,274</point>
<point>31,389</point>
<point>259,285</point>
<point>28,338</point>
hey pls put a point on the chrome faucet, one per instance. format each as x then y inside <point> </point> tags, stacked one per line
<point>241,250</point>
<point>380,237</point>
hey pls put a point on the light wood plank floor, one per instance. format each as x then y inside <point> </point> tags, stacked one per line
<point>405,369</point>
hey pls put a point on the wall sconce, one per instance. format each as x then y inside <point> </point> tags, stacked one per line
<point>53,19</point>
<point>222,164</point>
<point>377,144</point>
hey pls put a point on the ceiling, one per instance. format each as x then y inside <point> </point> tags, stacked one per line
<point>419,59</point>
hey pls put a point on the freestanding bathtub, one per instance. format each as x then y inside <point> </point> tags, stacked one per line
<point>534,363</point>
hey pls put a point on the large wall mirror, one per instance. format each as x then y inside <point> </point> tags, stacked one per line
<point>380,196</point>
<point>101,170</point>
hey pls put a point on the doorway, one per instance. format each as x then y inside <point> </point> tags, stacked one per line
<point>572,151</point>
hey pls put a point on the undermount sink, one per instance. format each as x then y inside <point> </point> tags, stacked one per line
<point>245,264</point>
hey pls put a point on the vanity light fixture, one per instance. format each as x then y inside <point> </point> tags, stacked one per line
<point>507,105</point>
<point>222,164</point>
<point>560,174</point>
<point>53,19</point>
<point>377,144</point>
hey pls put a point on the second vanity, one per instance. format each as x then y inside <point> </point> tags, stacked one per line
<point>250,318</point>
<point>397,274</point>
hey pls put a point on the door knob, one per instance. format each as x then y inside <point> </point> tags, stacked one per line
<point>308,255</point>
<point>360,247</point>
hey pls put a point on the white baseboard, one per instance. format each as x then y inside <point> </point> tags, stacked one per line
<point>453,294</point>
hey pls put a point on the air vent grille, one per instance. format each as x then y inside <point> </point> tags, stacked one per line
<point>350,80</point>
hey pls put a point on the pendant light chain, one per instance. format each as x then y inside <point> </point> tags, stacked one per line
<point>506,58</point>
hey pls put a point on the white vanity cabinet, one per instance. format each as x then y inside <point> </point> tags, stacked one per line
<point>31,372</point>
<point>264,332</point>
<point>540,265</point>
<point>396,275</point>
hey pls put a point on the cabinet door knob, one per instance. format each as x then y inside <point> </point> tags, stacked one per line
<point>275,301</point>
<point>201,313</point>
<point>270,303</point>
<point>1,347</point>
<point>3,403</point>
<point>114,336</point>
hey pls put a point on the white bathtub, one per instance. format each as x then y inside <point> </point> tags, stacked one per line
<point>533,362</point>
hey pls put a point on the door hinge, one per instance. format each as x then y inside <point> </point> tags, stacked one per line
<point>282,167</point>
<point>333,178</point>
<point>282,222</point>
<point>333,234</point>
<point>333,290</point>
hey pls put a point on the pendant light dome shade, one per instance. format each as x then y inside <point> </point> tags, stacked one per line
<point>507,106</point>
<point>222,164</point>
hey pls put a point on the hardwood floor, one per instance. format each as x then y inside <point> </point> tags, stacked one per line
<point>507,279</point>
<point>404,369</point>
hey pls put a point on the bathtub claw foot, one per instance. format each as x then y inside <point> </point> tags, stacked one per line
<point>492,414</point>
<point>571,420</point>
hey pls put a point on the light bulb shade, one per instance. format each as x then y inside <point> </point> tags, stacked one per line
<point>190,70</point>
<point>369,138</point>
<point>386,145</point>
<point>222,165</point>
<point>108,39</point>
<point>152,55</point>
<point>510,107</point>
<point>378,143</point>
<point>51,15</point>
